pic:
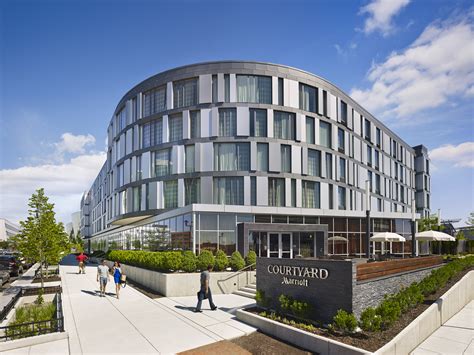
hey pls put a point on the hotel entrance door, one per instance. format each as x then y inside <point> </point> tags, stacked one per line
<point>279,245</point>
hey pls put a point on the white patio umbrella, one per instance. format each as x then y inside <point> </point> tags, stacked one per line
<point>387,237</point>
<point>434,236</point>
<point>430,236</point>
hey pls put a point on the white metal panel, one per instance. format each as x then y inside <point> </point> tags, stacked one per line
<point>206,189</point>
<point>386,142</point>
<point>299,193</point>
<point>275,90</point>
<point>288,192</point>
<point>146,165</point>
<point>386,165</point>
<point>153,195</point>
<point>334,136</point>
<point>357,128</point>
<point>247,191</point>
<point>386,206</point>
<point>143,198</point>
<point>133,172</point>
<point>181,159</point>
<point>136,139</point>
<point>323,164</point>
<point>364,153</point>
<point>253,156</point>
<point>320,101</point>
<point>214,122</point>
<point>186,125</point>
<point>300,127</point>
<point>243,121</point>
<point>304,162</point>
<point>126,172</point>
<point>128,111</point>
<point>350,172</point>
<point>207,156</point>
<point>233,88</point>
<point>181,193</point>
<point>316,131</point>
<point>262,191</point>
<point>139,106</point>
<point>129,144</point>
<point>160,200</point>
<point>274,157</point>
<point>292,93</point>
<point>324,195</point>
<point>372,132</point>
<point>350,118</point>
<point>169,95</point>
<point>205,123</point>
<point>197,157</point>
<point>220,87</point>
<point>174,159</point>
<point>332,106</point>
<point>165,132</point>
<point>270,123</point>
<point>362,176</point>
<point>205,89</point>
<point>295,159</point>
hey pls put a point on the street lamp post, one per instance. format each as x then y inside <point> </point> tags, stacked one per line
<point>367,214</point>
<point>413,228</point>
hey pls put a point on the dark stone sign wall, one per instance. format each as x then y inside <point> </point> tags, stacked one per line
<point>325,284</point>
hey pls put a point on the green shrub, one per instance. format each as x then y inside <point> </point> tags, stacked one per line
<point>389,311</point>
<point>285,303</point>
<point>251,258</point>
<point>370,320</point>
<point>204,259</point>
<point>221,261</point>
<point>236,261</point>
<point>344,322</point>
<point>296,308</point>
<point>172,260</point>
<point>40,300</point>
<point>261,299</point>
<point>189,261</point>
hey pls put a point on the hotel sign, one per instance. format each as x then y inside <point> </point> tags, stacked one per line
<point>325,284</point>
<point>297,275</point>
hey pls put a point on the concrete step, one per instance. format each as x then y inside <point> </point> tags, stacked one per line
<point>249,290</point>
<point>245,294</point>
<point>254,286</point>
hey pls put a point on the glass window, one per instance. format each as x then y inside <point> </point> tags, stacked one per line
<point>192,189</point>
<point>325,103</point>
<point>161,162</point>
<point>394,149</point>
<point>369,155</point>
<point>280,91</point>
<point>310,130</point>
<point>369,177</point>
<point>176,127</point>
<point>341,197</point>
<point>331,197</point>
<point>258,123</point>
<point>171,193</point>
<point>134,109</point>
<point>139,168</point>
<point>122,119</point>
<point>325,134</point>
<point>328,166</point>
<point>256,89</point>
<point>377,184</point>
<point>152,133</point>
<point>227,122</point>
<point>154,101</point>
<point>229,190</point>
<point>120,175</point>
<point>226,88</point>
<point>343,112</point>
<point>367,129</point>
<point>314,162</point>
<point>253,191</point>
<point>401,173</point>
<point>376,159</point>
<point>190,158</point>
<point>185,93</point>
<point>293,192</point>
<point>340,140</point>
<point>137,196</point>
<point>195,117</point>
<point>276,192</point>
<point>284,125</point>
<point>311,194</point>
<point>285,158</point>
<point>231,156</point>
<point>342,169</point>
<point>214,88</point>
<point>308,98</point>
<point>378,138</point>
<point>262,157</point>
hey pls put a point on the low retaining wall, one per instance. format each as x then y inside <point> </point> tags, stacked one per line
<point>370,293</point>
<point>304,339</point>
<point>30,341</point>
<point>186,284</point>
<point>436,315</point>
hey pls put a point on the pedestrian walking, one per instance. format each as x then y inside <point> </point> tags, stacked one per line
<point>117,272</point>
<point>82,258</point>
<point>102,277</point>
<point>205,290</point>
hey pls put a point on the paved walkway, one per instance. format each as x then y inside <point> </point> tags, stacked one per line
<point>456,336</point>
<point>136,324</point>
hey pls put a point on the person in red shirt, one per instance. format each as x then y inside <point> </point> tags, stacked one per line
<point>82,262</point>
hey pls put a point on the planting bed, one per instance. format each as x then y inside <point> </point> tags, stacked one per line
<point>372,341</point>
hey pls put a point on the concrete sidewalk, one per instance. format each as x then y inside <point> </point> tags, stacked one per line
<point>136,324</point>
<point>455,337</point>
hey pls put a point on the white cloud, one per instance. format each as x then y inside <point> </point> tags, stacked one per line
<point>381,13</point>
<point>438,66</point>
<point>461,155</point>
<point>64,180</point>
<point>74,144</point>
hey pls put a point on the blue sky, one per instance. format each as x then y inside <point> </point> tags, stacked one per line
<point>66,64</point>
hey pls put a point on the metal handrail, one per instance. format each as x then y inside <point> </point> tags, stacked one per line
<point>236,273</point>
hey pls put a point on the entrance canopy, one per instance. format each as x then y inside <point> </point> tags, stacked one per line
<point>387,237</point>
<point>431,236</point>
<point>337,238</point>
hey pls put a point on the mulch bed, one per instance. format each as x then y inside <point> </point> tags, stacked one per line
<point>373,341</point>
<point>47,279</point>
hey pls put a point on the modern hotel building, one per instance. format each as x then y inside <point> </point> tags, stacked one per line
<point>245,156</point>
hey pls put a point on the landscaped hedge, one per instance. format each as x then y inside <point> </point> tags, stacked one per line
<point>172,261</point>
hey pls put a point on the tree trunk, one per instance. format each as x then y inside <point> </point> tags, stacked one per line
<point>41,270</point>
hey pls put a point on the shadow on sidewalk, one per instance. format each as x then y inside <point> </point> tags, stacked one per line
<point>191,309</point>
<point>91,293</point>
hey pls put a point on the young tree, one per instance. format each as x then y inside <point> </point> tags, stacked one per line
<point>41,238</point>
<point>429,224</point>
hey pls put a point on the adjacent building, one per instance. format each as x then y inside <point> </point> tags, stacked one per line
<point>246,156</point>
<point>8,229</point>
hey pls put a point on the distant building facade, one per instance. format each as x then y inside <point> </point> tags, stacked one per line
<point>8,229</point>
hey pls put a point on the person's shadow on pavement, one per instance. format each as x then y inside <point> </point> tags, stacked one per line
<point>91,293</point>
<point>191,309</point>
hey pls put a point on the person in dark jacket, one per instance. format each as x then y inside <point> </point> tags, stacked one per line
<point>205,290</point>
